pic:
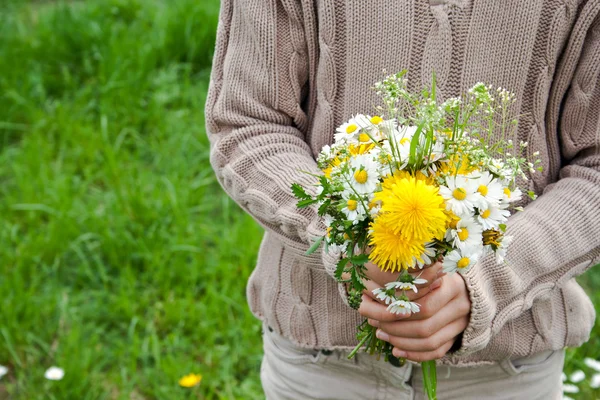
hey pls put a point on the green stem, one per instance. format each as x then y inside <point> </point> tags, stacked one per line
<point>359,345</point>
<point>430,378</point>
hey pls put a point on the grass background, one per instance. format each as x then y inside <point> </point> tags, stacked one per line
<point>121,260</point>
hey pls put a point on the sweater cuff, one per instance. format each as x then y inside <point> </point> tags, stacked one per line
<point>477,334</point>
<point>330,262</point>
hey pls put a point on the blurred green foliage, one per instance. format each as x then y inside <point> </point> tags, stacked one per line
<point>121,259</point>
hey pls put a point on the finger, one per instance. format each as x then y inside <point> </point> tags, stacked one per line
<point>372,309</point>
<point>429,272</point>
<point>421,329</point>
<point>437,299</point>
<point>417,356</point>
<point>374,273</point>
<point>431,343</point>
<point>423,290</point>
<point>370,286</point>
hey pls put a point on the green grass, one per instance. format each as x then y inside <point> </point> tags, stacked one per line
<point>121,260</point>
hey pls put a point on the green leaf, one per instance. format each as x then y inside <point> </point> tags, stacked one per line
<point>323,207</point>
<point>306,203</point>
<point>414,143</point>
<point>360,259</point>
<point>502,227</point>
<point>299,191</point>
<point>339,270</point>
<point>357,282</point>
<point>315,245</point>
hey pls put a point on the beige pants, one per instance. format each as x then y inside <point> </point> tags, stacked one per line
<point>294,373</point>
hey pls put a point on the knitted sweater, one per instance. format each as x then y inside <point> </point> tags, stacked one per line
<point>287,73</point>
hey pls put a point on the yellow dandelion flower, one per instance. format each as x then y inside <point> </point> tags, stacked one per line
<point>413,209</point>
<point>190,380</point>
<point>327,172</point>
<point>390,251</point>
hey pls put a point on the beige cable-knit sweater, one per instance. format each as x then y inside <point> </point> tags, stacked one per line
<point>287,72</point>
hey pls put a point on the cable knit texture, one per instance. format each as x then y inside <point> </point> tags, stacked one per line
<point>287,72</point>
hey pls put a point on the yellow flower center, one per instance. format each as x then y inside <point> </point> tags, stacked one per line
<point>463,263</point>
<point>361,176</point>
<point>486,214</point>
<point>363,138</point>
<point>459,194</point>
<point>405,140</point>
<point>483,190</point>
<point>328,231</point>
<point>351,128</point>
<point>507,192</point>
<point>376,120</point>
<point>463,234</point>
<point>352,204</point>
<point>346,236</point>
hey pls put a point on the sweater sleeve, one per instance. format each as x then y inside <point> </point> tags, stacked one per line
<point>255,121</point>
<point>556,237</point>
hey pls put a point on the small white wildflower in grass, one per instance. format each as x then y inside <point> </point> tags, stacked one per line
<point>563,377</point>
<point>3,371</point>
<point>567,388</point>
<point>595,381</point>
<point>577,376</point>
<point>567,398</point>
<point>54,374</point>
<point>593,364</point>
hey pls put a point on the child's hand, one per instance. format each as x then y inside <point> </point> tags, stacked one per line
<point>377,279</point>
<point>430,333</point>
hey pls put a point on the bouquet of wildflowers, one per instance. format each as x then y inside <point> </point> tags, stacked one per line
<point>417,183</point>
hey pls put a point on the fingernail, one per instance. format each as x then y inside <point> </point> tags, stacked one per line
<point>382,335</point>
<point>374,322</point>
<point>399,353</point>
<point>441,273</point>
<point>436,284</point>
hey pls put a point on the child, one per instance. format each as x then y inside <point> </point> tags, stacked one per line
<point>286,73</point>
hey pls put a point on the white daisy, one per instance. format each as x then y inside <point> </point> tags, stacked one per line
<point>363,121</point>
<point>498,167</point>
<point>501,251</point>
<point>382,295</point>
<point>467,234</point>
<point>354,210</point>
<point>54,374</point>
<point>492,217</point>
<point>490,190</point>
<point>3,371</point>
<point>460,260</point>
<point>428,256</point>
<point>509,196</point>
<point>403,307</point>
<point>364,176</point>
<point>347,132</point>
<point>577,376</point>
<point>401,286</point>
<point>593,364</point>
<point>461,195</point>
